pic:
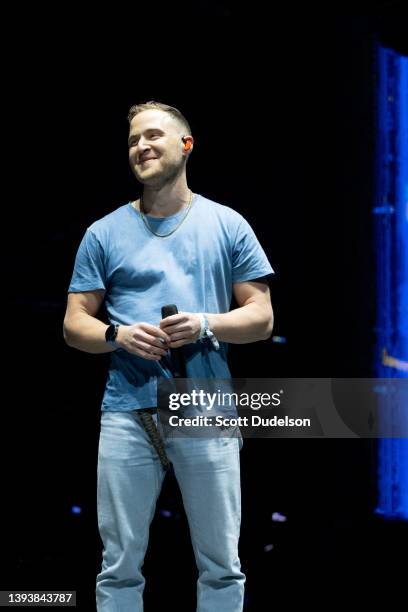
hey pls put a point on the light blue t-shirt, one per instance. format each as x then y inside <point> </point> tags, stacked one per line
<point>193,268</point>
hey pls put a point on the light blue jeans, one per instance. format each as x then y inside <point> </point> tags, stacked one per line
<point>130,477</point>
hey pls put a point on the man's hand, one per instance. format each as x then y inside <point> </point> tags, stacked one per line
<point>144,340</point>
<point>183,328</point>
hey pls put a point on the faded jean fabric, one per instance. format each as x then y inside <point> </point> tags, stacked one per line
<point>130,477</point>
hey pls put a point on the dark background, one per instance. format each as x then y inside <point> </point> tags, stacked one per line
<point>282,111</point>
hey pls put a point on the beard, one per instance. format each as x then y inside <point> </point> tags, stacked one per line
<point>161,177</point>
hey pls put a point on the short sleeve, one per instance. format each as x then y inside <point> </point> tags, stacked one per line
<point>249,260</point>
<point>89,269</point>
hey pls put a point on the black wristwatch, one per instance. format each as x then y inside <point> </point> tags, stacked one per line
<point>111,333</point>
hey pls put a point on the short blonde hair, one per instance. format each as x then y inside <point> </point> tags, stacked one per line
<point>153,105</point>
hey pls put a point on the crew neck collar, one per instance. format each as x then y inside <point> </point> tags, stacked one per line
<point>153,218</point>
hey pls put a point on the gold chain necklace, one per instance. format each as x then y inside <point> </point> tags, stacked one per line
<point>145,221</point>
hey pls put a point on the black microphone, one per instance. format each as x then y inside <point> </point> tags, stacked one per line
<point>177,357</point>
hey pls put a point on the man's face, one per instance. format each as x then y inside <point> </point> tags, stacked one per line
<point>155,147</point>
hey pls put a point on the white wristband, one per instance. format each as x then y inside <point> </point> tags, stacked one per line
<point>205,331</point>
<point>202,324</point>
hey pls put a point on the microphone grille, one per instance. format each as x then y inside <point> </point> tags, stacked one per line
<point>168,310</point>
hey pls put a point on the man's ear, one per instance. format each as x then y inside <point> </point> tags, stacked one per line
<point>188,143</point>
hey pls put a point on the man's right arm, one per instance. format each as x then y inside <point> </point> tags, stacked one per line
<point>83,331</point>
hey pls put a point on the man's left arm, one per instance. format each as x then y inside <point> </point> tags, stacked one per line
<point>250,322</point>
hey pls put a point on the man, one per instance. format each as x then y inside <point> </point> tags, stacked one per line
<point>168,247</point>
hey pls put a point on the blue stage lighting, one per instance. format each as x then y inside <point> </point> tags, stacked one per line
<point>391,227</point>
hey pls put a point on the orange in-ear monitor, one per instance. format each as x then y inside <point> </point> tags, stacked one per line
<point>187,145</point>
